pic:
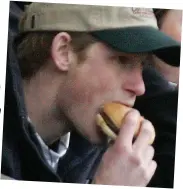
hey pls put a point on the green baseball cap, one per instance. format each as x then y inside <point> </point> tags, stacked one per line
<point>126,29</point>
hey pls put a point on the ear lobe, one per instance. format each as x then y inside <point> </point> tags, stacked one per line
<point>60,51</point>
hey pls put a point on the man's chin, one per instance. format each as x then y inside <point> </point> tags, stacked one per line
<point>99,139</point>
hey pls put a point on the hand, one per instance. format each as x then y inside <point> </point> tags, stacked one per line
<point>127,163</point>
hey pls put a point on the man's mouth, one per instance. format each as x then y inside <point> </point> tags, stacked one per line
<point>130,105</point>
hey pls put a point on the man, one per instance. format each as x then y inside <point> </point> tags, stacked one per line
<point>73,59</point>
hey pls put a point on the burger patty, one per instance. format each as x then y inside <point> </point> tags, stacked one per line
<point>109,123</point>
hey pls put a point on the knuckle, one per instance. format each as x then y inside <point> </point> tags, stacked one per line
<point>135,111</point>
<point>148,172</point>
<point>136,160</point>
<point>132,116</point>
<point>147,127</point>
<point>121,149</point>
<point>107,157</point>
<point>129,119</point>
<point>144,173</point>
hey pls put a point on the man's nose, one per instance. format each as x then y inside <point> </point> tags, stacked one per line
<point>134,82</point>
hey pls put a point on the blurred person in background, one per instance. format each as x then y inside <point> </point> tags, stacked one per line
<point>169,22</point>
<point>160,101</point>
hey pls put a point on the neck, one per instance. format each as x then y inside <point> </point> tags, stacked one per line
<point>40,98</point>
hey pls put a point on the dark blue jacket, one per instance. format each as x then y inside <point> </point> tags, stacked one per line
<point>22,157</point>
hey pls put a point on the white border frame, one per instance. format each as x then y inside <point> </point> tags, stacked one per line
<point>4,14</point>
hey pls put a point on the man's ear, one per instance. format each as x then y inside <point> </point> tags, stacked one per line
<point>60,50</point>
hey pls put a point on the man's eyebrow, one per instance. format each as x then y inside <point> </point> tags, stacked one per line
<point>130,54</point>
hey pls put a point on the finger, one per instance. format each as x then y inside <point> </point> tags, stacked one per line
<point>148,154</point>
<point>128,128</point>
<point>144,137</point>
<point>152,168</point>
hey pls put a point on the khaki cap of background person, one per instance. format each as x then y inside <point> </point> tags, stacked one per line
<point>130,30</point>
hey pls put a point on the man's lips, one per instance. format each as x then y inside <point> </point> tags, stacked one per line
<point>124,103</point>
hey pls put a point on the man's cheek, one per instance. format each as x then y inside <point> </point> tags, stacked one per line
<point>93,86</point>
<point>89,93</point>
<point>99,92</point>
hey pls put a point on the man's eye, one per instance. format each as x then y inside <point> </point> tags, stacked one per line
<point>129,63</point>
<point>124,60</point>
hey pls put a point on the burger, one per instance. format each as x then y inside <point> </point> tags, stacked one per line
<point>111,118</point>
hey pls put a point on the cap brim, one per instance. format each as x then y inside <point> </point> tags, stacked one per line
<point>140,40</point>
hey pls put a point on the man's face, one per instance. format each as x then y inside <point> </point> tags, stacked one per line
<point>104,76</point>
